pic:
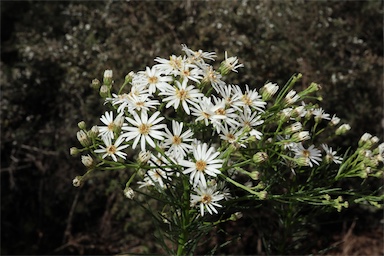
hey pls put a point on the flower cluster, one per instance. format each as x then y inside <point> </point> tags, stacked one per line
<point>187,123</point>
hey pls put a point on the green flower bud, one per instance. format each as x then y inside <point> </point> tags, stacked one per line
<point>343,129</point>
<point>268,90</point>
<point>95,84</point>
<point>93,132</point>
<point>73,151</point>
<point>255,175</point>
<point>260,157</point>
<point>83,138</point>
<point>129,193</point>
<point>129,77</point>
<point>77,181</point>
<point>107,79</point>
<point>87,160</point>
<point>104,91</point>
<point>82,125</point>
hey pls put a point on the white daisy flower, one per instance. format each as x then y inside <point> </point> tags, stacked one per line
<point>249,119</point>
<point>231,98</point>
<point>171,66</point>
<point>198,56</point>
<point>251,98</point>
<point>141,103</point>
<point>110,124</point>
<point>178,141</point>
<point>190,72</point>
<point>319,114</point>
<point>207,198</point>
<point>226,114</point>
<point>183,94</point>
<point>309,156</point>
<point>114,149</point>
<point>229,64</point>
<point>205,162</point>
<point>210,76</point>
<point>154,79</point>
<point>331,155</point>
<point>144,129</point>
<point>232,136</point>
<point>204,111</point>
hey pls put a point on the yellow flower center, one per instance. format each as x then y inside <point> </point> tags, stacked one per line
<point>206,199</point>
<point>230,137</point>
<point>306,153</point>
<point>111,126</point>
<point>220,111</point>
<point>246,100</point>
<point>144,129</point>
<point>181,94</point>
<point>111,149</point>
<point>153,79</point>
<point>176,140</point>
<point>200,165</point>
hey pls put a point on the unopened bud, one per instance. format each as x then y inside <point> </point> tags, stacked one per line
<point>107,79</point>
<point>129,77</point>
<point>95,84</point>
<point>343,129</point>
<point>268,90</point>
<point>104,91</point>
<point>82,125</point>
<point>144,156</point>
<point>255,175</point>
<point>83,138</point>
<point>77,181</point>
<point>129,193</point>
<point>260,157</point>
<point>87,160</point>
<point>93,132</point>
<point>73,151</point>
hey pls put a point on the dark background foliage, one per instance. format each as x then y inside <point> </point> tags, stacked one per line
<point>50,52</point>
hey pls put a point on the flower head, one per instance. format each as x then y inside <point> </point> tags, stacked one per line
<point>181,94</point>
<point>307,156</point>
<point>208,198</point>
<point>205,162</point>
<point>144,129</point>
<point>112,150</point>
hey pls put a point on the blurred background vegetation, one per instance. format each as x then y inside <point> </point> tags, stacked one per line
<point>50,52</point>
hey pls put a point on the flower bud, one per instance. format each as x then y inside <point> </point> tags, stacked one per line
<point>95,84</point>
<point>343,129</point>
<point>334,120</point>
<point>291,97</point>
<point>260,157</point>
<point>83,138</point>
<point>262,195</point>
<point>82,125</point>
<point>365,140</point>
<point>144,157</point>
<point>73,151</point>
<point>93,132</point>
<point>301,136</point>
<point>255,175</point>
<point>129,193</point>
<point>104,91</point>
<point>235,216</point>
<point>129,77</point>
<point>87,160</point>
<point>268,90</point>
<point>107,79</point>
<point>295,127</point>
<point>77,181</point>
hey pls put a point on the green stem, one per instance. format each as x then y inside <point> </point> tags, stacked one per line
<point>185,219</point>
